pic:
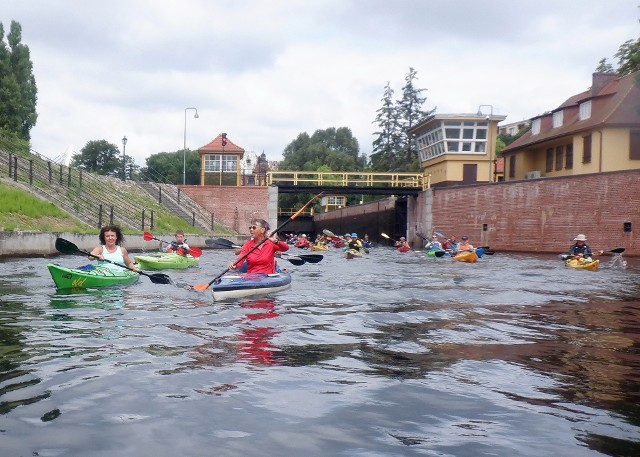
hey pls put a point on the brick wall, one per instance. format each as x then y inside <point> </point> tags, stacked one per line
<point>544,215</point>
<point>233,206</point>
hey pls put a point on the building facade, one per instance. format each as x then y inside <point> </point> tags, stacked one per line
<point>595,131</point>
<point>457,148</point>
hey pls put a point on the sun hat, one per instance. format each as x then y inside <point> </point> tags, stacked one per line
<point>465,237</point>
<point>580,237</point>
<point>402,238</point>
<point>347,234</point>
<point>354,235</point>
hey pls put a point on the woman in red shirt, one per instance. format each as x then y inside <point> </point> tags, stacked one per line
<point>261,258</point>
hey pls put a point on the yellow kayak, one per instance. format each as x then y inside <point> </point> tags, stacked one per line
<point>466,256</point>
<point>319,247</point>
<point>591,265</point>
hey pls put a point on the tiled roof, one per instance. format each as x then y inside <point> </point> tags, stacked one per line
<point>216,146</point>
<point>615,104</point>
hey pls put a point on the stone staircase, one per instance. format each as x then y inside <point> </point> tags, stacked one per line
<point>180,204</point>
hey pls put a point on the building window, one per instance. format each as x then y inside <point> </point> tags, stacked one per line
<point>457,137</point>
<point>549,160</point>
<point>217,163</point>
<point>585,110</point>
<point>512,166</point>
<point>535,126</point>
<point>634,145</point>
<point>557,119</point>
<point>586,149</point>
<point>559,157</point>
<point>568,161</point>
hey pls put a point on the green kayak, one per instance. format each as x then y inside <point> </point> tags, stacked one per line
<point>90,276</point>
<point>166,261</point>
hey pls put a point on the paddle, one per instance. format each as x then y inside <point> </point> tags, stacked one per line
<point>311,258</point>
<point>330,234</point>
<point>206,286</point>
<point>613,251</point>
<point>193,251</point>
<point>67,247</point>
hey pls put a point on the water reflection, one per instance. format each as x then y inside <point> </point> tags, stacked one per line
<point>393,354</point>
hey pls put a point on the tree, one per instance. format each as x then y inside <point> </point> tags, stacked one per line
<point>385,152</point>
<point>604,66</point>
<point>628,56</point>
<point>100,157</point>
<point>18,91</point>
<point>335,148</point>
<point>167,167</point>
<point>411,113</point>
<point>326,150</point>
<point>393,150</point>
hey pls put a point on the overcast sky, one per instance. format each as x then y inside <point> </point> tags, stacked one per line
<point>264,71</point>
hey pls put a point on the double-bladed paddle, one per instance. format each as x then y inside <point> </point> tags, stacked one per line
<point>613,251</point>
<point>206,286</point>
<point>67,247</point>
<point>296,259</point>
<point>193,251</point>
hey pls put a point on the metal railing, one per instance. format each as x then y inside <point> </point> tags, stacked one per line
<point>348,179</point>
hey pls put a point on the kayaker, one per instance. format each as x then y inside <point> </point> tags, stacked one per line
<point>464,245</point>
<point>110,248</point>
<point>434,244</point>
<point>450,244</point>
<point>179,245</point>
<point>366,242</point>
<point>354,242</point>
<point>262,258</point>
<point>581,249</point>
<point>402,243</point>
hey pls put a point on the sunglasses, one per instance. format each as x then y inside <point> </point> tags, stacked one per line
<point>253,227</point>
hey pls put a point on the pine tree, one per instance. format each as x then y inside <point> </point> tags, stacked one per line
<point>411,113</point>
<point>384,156</point>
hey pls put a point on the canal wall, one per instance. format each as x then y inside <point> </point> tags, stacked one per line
<point>539,215</point>
<point>30,244</point>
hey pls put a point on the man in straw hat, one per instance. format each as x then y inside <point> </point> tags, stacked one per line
<point>580,248</point>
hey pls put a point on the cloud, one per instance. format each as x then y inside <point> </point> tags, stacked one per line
<point>263,72</point>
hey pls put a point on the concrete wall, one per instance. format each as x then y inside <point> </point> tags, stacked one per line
<point>25,244</point>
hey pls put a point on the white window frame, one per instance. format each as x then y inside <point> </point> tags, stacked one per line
<point>585,110</point>
<point>558,118</point>
<point>535,126</point>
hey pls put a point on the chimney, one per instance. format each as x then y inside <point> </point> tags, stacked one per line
<point>600,80</point>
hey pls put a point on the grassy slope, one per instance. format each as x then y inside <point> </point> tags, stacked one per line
<point>20,210</point>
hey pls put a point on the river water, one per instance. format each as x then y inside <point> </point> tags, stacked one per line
<point>389,355</point>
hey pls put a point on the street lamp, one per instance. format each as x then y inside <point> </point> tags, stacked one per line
<point>124,149</point>
<point>489,117</point>
<point>184,145</point>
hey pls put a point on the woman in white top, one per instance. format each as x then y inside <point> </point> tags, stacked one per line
<point>110,249</point>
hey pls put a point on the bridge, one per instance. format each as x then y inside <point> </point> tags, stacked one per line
<point>349,182</point>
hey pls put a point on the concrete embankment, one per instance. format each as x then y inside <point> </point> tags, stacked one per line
<point>31,244</point>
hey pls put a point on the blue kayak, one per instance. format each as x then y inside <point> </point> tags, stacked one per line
<point>248,284</point>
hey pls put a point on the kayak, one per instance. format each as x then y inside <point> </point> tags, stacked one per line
<point>248,284</point>
<point>435,253</point>
<point>89,276</point>
<point>319,247</point>
<point>339,244</point>
<point>404,248</point>
<point>582,263</point>
<point>466,256</point>
<point>166,261</point>
<point>353,254</point>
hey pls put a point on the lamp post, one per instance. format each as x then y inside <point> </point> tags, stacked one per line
<point>184,145</point>
<point>489,118</point>
<point>124,150</point>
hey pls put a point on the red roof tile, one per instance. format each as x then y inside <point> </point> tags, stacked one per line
<point>216,146</point>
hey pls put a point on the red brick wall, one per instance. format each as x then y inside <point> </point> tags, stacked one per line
<point>544,215</point>
<point>232,206</point>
